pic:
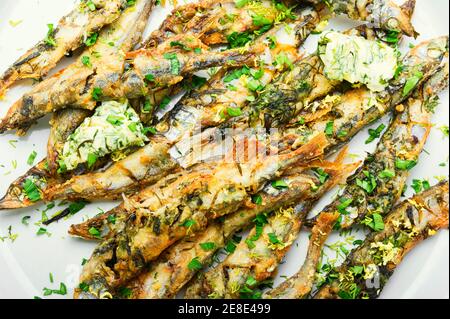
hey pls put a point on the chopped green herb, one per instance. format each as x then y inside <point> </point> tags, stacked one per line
<point>387,173</point>
<point>274,239</point>
<point>234,111</point>
<point>31,158</point>
<point>208,246</point>
<point>86,61</point>
<point>368,184</point>
<point>41,231</point>
<point>25,220</point>
<point>321,175</point>
<point>188,223</point>
<point>257,199</point>
<point>31,190</point>
<point>97,94</point>
<point>114,119</point>
<point>375,133</point>
<point>195,264</point>
<point>412,82</point>
<point>329,128</point>
<point>240,3</point>
<point>238,39</point>
<point>94,232</point>
<point>91,39</point>
<point>405,165</point>
<point>230,247</point>
<point>175,66</point>
<point>91,160</point>
<point>279,184</point>
<point>50,39</point>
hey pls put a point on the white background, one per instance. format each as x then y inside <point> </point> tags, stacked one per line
<point>25,264</point>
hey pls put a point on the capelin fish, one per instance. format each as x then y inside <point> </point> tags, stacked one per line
<point>373,190</point>
<point>293,90</point>
<point>341,116</point>
<point>72,31</point>
<point>299,285</point>
<point>389,179</point>
<point>218,22</point>
<point>205,106</point>
<point>383,14</point>
<point>145,72</point>
<point>125,33</point>
<point>106,56</point>
<point>173,266</point>
<point>368,267</point>
<point>157,217</point>
<point>255,259</point>
<point>277,104</point>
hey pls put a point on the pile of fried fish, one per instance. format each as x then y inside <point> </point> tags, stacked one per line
<point>185,193</point>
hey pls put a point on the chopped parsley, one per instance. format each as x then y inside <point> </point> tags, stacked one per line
<point>234,111</point>
<point>386,173</point>
<point>419,185</point>
<point>97,93</point>
<point>31,158</point>
<point>86,61</point>
<point>279,184</point>
<point>374,221</point>
<point>175,66</point>
<point>91,39</point>
<point>257,199</point>
<point>375,133</point>
<point>368,184</point>
<point>329,128</point>
<point>412,82</point>
<point>195,264</point>
<point>50,39</point>
<point>32,192</point>
<point>94,232</point>
<point>405,165</point>
<point>208,246</point>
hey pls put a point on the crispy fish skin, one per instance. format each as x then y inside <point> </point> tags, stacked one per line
<point>299,285</point>
<point>258,256</point>
<point>68,35</point>
<point>384,14</point>
<point>198,109</point>
<point>408,224</point>
<point>62,89</point>
<point>158,220</point>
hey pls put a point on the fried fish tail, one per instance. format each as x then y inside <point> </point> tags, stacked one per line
<point>64,38</point>
<point>300,285</point>
<point>368,268</point>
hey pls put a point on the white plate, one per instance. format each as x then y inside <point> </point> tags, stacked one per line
<point>26,263</point>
